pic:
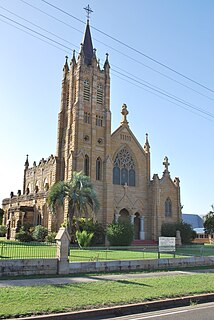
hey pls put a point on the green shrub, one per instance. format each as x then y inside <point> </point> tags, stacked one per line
<point>84,238</point>
<point>91,227</point>
<point>186,230</point>
<point>3,230</point>
<point>40,233</point>
<point>120,233</point>
<point>51,237</point>
<point>23,235</point>
<point>99,234</point>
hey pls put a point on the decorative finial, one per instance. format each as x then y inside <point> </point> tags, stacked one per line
<point>146,145</point>
<point>147,137</point>
<point>106,64</point>
<point>166,164</point>
<point>124,113</point>
<point>88,11</point>
<point>26,162</point>
<point>73,60</point>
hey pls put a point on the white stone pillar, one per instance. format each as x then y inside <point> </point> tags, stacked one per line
<point>63,241</point>
<point>132,218</point>
<point>142,233</point>
<point>117,215</point>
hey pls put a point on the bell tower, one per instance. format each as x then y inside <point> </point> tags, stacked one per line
<point>84,120</point>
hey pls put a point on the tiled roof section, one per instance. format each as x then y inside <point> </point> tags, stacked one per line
<point>195,220</point>
<point>87,45</point>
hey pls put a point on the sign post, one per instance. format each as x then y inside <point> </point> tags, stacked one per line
<point>166,244</point>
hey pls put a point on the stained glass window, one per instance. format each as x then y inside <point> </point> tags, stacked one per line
<point>124,168</point>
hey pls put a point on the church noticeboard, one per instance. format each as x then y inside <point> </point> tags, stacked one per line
<point>166,244</point>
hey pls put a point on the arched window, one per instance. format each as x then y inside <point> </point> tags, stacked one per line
<point>124,168</point>
<point>46,184</point>
<point>87,117</point>
<point>132,177</point>
<point>124,176</point>
<point>116,175</point>
<point>28,189</point>
<point>86,165</point>
<point>37,188</point>
<point>98,169</point>
<point>39,219</point>
<point>168,207</point>
<point>99,94</point>
<point>86,90</point>
<point>99,121</point>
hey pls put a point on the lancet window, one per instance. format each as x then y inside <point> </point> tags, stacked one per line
<point>86,165</point>
<point>168,207</point>
<point>99,169</point>
<point>124,168</point>
<point>87,117</point>
<point>99,121</point>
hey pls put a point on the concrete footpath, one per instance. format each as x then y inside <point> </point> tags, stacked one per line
<point>92,278</point>
<point>115,310</point>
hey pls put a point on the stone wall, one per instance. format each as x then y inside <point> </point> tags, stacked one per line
<point>50,267</point>
<point>153,264</point>
<point>25,267</point>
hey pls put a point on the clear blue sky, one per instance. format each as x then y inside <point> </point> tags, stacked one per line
<point>177,33</point>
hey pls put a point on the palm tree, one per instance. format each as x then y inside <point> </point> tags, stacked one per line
<point>79,194</point>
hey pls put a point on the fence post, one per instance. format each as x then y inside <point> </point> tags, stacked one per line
<point>63,243</point>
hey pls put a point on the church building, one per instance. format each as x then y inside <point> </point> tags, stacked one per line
<point>119,167</point>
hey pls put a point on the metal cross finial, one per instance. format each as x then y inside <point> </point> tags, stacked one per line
<point>88,11</point>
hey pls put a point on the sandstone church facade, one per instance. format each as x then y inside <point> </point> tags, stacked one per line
<point>117,164</point>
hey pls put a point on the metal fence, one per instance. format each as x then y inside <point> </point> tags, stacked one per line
<point>135,253</point>
<point>30,250</point>
<point>26,250</point>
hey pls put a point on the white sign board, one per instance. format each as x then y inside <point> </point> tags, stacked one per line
<point>166,244</point>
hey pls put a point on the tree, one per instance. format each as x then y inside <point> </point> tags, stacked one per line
<point>1,215</point>
<point>186,230</point>
<point>79,193</point>
<point>209,222</point>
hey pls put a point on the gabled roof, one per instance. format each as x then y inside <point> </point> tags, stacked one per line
<point>131,134</point>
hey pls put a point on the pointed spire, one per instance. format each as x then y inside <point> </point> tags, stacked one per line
<point>106,64</point>
<point>124,113</point>
<point>177,182</point>
<point>166,165</point>
<point>73,60</point>
<point>87,46</point>
<point>26,162</point>
<point>65,68</point>
<point>147,145</point>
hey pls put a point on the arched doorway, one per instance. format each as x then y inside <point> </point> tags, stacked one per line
<point>124,215</point>
<point>137,226</point>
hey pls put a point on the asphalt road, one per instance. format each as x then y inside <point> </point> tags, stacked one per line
<point>203,311</point>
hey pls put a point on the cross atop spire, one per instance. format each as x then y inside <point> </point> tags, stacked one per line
<point>166,165</point>
<point>88,11</point>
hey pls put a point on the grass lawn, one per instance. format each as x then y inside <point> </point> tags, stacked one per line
<point>136,253</point>
<point>59,298</point>
<point>106,254</point>
<point>16,250</point>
